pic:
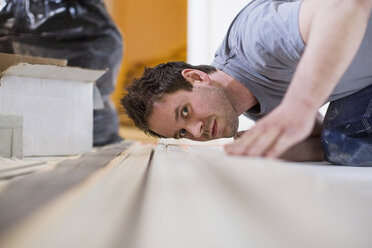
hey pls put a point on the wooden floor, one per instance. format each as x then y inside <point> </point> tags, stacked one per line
<point>148,195</point>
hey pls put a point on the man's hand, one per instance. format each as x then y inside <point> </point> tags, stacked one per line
<point>276,133</point>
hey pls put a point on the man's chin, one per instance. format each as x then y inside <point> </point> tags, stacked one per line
<point>231,133</point>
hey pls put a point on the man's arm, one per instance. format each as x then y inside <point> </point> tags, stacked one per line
<point>335,32</point>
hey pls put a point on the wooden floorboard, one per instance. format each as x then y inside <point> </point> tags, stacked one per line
<point>199,197</point>
<point>178,196</point>
<point>21,197</point>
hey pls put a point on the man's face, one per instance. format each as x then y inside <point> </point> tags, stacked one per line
<point>204,113</point>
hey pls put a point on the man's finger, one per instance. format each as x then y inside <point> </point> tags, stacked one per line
<point>240,145</point>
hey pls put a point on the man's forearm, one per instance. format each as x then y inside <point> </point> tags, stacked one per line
<point>336,32</point>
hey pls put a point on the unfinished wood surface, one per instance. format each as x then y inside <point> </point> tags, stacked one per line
<point>9,169</point>
<point>96,213</point>
<point>196,196</point>
<point>22,197</point>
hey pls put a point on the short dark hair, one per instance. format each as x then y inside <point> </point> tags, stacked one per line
<point>156,82</point>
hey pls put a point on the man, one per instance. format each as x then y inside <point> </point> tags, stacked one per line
<point>279,62</point>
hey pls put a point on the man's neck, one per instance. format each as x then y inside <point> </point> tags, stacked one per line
<point>241,98</point>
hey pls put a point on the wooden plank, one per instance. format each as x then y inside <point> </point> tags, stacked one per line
<point>186,196</point>
<point>92,214</point>
<point>22,197</point>
<point>203,198</point>
<point>18,168</point>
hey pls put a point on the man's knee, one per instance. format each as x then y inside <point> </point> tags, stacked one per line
<point>342,149</point>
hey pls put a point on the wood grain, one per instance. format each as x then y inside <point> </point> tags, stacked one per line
<point>21,197</point>
<point>160,196</point>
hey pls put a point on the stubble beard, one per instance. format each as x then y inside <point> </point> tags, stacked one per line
<point>232,124</point>
<point>226,112</point>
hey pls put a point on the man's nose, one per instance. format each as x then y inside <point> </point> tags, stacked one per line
<point>196,129</point>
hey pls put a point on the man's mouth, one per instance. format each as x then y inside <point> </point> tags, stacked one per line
<point>214,129</point>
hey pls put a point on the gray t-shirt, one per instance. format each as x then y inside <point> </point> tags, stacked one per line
<point>263,46</point>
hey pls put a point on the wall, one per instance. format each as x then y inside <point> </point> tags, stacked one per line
<point>208,21</point>
<point>153,32</point>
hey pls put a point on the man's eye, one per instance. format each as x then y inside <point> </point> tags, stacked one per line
<point>183,133</point>
<point>185,112</point>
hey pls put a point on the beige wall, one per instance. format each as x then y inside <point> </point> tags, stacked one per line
<point>153,32</point>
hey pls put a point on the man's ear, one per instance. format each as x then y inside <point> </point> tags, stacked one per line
<point>195,76</point>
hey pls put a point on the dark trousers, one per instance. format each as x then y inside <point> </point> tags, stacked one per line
<point>347,130</point>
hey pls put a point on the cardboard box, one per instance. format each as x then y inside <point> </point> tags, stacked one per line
<point>56,102</point>
<point>11,135</point>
